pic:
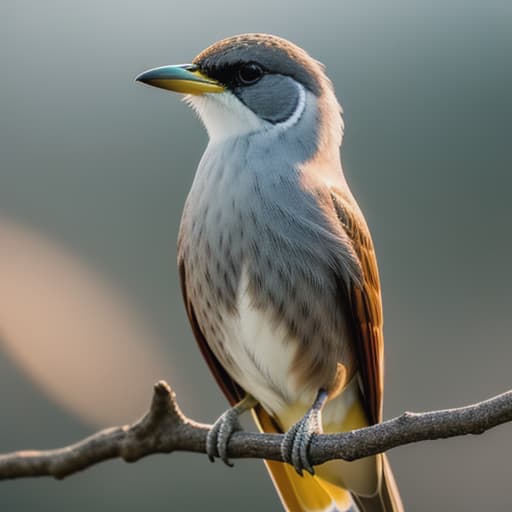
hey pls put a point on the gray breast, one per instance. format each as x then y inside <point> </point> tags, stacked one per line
<point>248,209</point>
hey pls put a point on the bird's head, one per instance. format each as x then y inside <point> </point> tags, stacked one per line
<point>252,83</point>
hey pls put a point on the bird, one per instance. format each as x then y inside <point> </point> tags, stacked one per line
<point>277,267</point>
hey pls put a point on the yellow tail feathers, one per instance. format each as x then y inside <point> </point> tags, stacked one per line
<point>307,493</point>
<point>337,484</point>
<point>302,493</point>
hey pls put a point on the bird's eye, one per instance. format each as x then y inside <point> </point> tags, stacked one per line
<point>250,73</point>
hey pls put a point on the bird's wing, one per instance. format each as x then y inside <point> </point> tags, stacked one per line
<point>364,305</point>
<point>231,389</point>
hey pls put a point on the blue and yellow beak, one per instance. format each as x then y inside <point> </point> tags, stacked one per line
<point>186,79</point>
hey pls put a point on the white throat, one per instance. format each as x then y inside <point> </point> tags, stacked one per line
<point>225,116</point>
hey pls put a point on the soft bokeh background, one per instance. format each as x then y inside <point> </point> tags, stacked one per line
<point>94,170</point>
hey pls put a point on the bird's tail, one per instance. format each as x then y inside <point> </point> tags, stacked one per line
<point>387,499</point>
<point>302,493</point>
<point>307,493</point>
<point>318,493</point>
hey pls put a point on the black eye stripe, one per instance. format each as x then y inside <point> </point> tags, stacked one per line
<point>235,75</point>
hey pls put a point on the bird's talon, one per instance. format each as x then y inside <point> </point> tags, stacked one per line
<point>296,443</point>
<point>222,430</point>
<point>287,444</point>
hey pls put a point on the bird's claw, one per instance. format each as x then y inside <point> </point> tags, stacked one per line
<point>219,435</point>
<point>296,443</point>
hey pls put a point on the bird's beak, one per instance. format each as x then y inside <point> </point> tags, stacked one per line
<point>185,78</point>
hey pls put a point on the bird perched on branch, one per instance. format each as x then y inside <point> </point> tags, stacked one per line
<point>278,269</point>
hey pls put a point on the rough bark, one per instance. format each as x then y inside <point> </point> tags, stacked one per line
<point>164,429</point>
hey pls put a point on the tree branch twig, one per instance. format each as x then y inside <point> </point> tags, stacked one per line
<point>164,429</point>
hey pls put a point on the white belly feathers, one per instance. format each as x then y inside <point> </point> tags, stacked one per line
<point>262,353</point>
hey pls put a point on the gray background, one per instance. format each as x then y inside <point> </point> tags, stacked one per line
<point>99,167</point>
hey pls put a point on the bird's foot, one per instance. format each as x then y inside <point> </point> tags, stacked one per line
<point>219,434</point>
<point>223,428</point>
<point>295,446</point>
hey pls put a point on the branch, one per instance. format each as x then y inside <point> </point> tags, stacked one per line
<point>165,429</point>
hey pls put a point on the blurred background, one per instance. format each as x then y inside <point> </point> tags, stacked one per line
<point>94,170</point>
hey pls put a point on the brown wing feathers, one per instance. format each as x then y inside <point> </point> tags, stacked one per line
<point>365,306</point>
